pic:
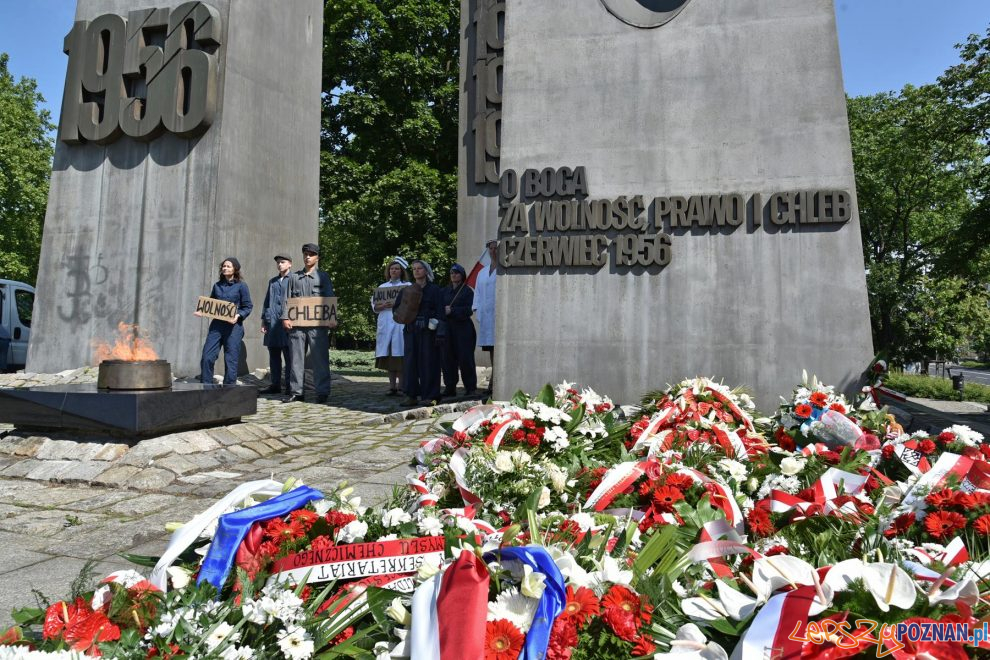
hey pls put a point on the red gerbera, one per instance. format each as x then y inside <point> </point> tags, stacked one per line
<point>940,498</point>
<point>681,481</point>
<point>982,525</point>
<point>581,605</point>
<point>760,523</point>
<point>503,641</point>
<point>627,600</point>
<point>304,516</point>
<point>803,410</point>
<point>818,398</point>
<point>838,407</point>
<point>284,531</point>
<point>665,497</point>
<point>942,524</point>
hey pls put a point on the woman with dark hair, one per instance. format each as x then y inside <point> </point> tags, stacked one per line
<point>423,337</point>
<point>226,334</point>
<point>388,341</point>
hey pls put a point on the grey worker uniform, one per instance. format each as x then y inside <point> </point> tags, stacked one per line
<point>314,285</point>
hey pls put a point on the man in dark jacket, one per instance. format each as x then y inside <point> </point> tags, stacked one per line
<point>310,282</point>
<point>276,336</point>
<point>458,353</point>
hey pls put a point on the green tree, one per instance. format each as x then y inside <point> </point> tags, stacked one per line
<point>389,143</point>
<point>915,174</point>
<point>25,166</point>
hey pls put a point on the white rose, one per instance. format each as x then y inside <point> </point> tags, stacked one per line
<point>583,520</point>
<point>752,484</point>
<point>558,477</point>
<point>503,462</point>
<point>521,458</point>
<point>791,466</point>
<point>178,576</point>
<point>395,517</point>
<point>544,498</point>
<point>352,531</point>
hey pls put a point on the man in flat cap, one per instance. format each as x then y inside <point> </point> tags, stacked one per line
<point>310,282</point>
<point>276,336</point>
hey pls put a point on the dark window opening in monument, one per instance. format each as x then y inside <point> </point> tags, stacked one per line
<point>99,98</point>
<point>155,36</point>
<point>189,33</point>
<point>24,301</point>
<point>137,88</point>
<point>185,100</point>
<point>103,59</point>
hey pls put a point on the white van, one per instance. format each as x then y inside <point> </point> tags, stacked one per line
<point>16,303</point>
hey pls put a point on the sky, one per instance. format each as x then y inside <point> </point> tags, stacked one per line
<point>885,44</point>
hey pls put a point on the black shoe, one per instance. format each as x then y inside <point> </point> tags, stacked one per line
<point>410,403</point>
<point>470,392</point>
<point>273,389</point>
<point>322,398</point>
<point>450,391</point>
<point>297,398</point>
<point>392,393</point>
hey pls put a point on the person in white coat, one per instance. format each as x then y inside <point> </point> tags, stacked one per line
<point>484,305</point>
<point>389,347</point>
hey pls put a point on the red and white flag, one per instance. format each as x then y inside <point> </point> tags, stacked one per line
<point>484,261</point>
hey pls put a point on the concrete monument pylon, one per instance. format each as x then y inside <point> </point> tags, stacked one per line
<point>189,132</point>
<point>672,186</point>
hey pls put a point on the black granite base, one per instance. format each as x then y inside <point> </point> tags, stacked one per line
<point>126,413</point>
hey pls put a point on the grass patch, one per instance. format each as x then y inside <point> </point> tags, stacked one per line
<point>940,389</point>
<point>354,363</point>
<point>974,364</point>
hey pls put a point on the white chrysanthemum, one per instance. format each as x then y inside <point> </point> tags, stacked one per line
<point>734,469</point>
<point>430,526</point>
<point>779,482</point>
<point>395,517</point>
<point>515,608</point>
<point>289,607</point>
<point>966,435</point>
<point>548,414</point>
<point>296,644</point>
<point>220,634</point>
<point>352,531</point>
<point>521,459</point>
<point>238,653</point>
<point>556,437</point>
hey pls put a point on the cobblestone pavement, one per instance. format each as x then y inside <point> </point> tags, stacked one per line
<point>67,500</point>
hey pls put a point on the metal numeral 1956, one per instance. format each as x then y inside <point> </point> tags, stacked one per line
<point>152,72</point>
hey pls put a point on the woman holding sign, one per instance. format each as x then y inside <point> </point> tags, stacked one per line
<point>388,343</point>
<point>226,333</point>
<point>423,335</point>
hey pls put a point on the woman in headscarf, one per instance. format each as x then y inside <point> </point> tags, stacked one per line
<point>423,337</point>
<point>226,334</point>
<point>458,298</point>
<point>388,343</point>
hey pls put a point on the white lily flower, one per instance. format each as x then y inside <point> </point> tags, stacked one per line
<point>691,644</point>
<point>888,583</point>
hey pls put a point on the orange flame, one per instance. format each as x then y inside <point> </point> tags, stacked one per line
<point>131,345</point>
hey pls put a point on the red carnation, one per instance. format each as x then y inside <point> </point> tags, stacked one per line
<point>946,437</point>
<point>803,410</point>
<point>760,522</point>
<point>784,440</point>
<point>529,424</point>
<point>344,635</point>
<point>321,542</point>
<point>901,525</point>
<point>943,524</point>
<point>581,605</point>
<point>982,525</point>
<point>563,639</point>
<point>926,446</point>
<point>519,435</point>
<point>887,452</point>
<point>830,457</point>
<point>503,641</point>
<point>337,519</point>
